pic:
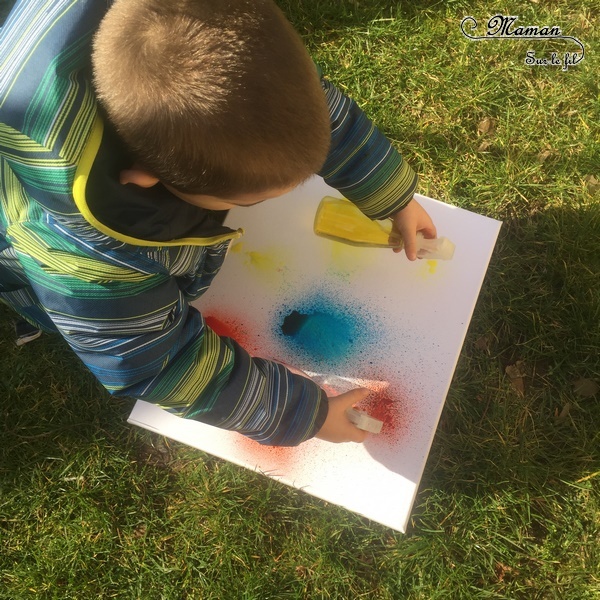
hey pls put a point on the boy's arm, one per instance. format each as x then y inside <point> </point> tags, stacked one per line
<point>139,336</point>
<point>362,163</point>
<point>367,169</point>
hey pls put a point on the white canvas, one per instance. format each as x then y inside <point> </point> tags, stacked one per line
<point>400,325</point>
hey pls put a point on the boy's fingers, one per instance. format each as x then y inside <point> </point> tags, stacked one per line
<point>338,427</point>
<point>430,232</point>
<point>410,244</point>
<point>352,397</point>
<point>355,396</point>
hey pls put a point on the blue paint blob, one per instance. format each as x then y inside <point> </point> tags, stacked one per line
<point>323,332</point>
<point>293,323</point>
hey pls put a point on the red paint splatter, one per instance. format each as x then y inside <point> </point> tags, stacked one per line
<point>228,327</point>
<point>219,327</point>
<point>384,406</point>
<point>266,457</point>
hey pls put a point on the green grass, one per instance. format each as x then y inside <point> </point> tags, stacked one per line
<point>509,505</point>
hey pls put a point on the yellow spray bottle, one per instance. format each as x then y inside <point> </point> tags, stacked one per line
<point>342,221</point>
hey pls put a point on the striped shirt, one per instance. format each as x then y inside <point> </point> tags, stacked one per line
<point>122,300</point>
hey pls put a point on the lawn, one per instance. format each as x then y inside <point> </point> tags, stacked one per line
<point>509,505</point>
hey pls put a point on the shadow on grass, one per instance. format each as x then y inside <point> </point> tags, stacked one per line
<point>536,436</point>
<point>51,406</point>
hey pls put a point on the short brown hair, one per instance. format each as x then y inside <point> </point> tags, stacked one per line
<point>214,97</point>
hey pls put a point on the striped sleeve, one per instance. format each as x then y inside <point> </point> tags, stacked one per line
<point>122,308</point>
<point>362,164</point>
<point>138,335</point>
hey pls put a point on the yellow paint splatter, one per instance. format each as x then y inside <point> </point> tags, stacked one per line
<point>346,260</point>
<point>270,264</point>
<point>262,262</point>
<point>426,269</point>
<point>432,264</point>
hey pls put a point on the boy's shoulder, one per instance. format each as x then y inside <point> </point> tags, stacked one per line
<point>45,52</point>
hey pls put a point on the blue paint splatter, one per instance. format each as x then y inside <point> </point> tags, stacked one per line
<point>322,331</point>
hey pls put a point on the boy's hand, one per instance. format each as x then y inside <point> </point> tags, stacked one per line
<point>407,222</point>
<point>337,426</point>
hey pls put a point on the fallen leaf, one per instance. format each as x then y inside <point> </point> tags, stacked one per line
<point>484,146</point>
<point>586,388</point>
<point>484,343</point>
<point>486,126</point>
<point>518,384</point>
<point>302,572</point>
<point>516,373</point>
<point>564,413</point>
<point>140,531</point>
<point>544,155</point>
<point>592,184</point>
<point>503,571</point>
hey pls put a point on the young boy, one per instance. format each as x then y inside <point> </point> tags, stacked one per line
<point>111,213</point>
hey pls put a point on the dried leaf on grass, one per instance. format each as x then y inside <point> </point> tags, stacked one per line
<point>486,126</point>
<point>140,531</point>
<point>586,388</point>
<point>517,370</point>
<point>517,373</point>
<point>503,571</point>
<point>592,184</point>
<point>564,413</point>
<point>484,146</point>
<point>484,343</point>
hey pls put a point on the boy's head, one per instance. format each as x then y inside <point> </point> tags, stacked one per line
<point>213,97</point>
